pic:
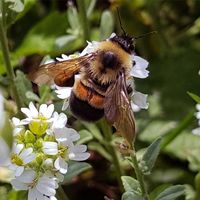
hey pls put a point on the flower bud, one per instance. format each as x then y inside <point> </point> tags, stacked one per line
<point>29,137</point>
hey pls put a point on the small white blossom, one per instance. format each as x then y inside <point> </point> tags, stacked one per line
<point>20,158</point>
<point>65,57</point>
<point>39,188</point>
<point>196,131</point>
<point>64,93</point>
<point>78,152</point>
<point>58,121</point>
<point>139,69</point>
<point>18,126</point>
<point>66,135</point>
<point>139,101</point>
<point>45,112</point>
<point>61,165</point>
<point>91,47</point>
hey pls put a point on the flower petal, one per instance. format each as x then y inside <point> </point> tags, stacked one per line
<point>61,165</point>
<point>78,153</point>
<point>140,100</point>
<point>19,185</point>
<point>43,109</point>
<point>50,148</point>
<point>49,111</point>
<point>139,69</point>
<point>33,110</point>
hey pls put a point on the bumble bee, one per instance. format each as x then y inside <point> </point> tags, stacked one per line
<point>102,87</point>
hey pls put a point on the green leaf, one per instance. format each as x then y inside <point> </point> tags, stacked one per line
<point>131,184</point>
<point>158,190</point>
<point>155,129</point>
<point>44,93</point>
<point>194,97</point>
<point>149,158</point>
<point>190,193</point>
<point>23,86</point>
<point>94,130</point>
<point>95,146</point>
<point>65,40</point>
<point>32,96</point>
<point>73,19</point>
<point>131,196</point>
<point>74,169</point>
<point>90,7</point>
<point>85,136</point>
<point>106,25</point>
<point>16,195</point>
<point>41,38</point>
<point>171,193</point>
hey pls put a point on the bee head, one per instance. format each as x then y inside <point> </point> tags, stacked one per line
<point>125,41</point>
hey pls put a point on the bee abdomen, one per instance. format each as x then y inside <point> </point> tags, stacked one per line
<point>83,110</point>
<point>86,103</point>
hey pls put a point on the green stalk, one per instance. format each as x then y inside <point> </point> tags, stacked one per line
<point>107,131</point>
<point>139,176</point>
<point>83,19</point>
<point>8,67</point>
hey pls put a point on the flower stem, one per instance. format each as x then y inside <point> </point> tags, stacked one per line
<point>139,176</point>
<point>107,131</point>
<point>8,67</point>
<point>60,194</point>
<point>83,19</point>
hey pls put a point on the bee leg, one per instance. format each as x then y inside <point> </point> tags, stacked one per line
<point>129,89</point>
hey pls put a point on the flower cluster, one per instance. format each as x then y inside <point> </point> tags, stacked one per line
<point>43,145</point>
<point>196,131</point>
<point>139,100</point>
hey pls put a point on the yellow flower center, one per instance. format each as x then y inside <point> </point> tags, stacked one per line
<point>39,125</point>
<point>15,159</point>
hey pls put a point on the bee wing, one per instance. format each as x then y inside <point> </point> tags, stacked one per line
<point>118,111</point>
<point>59,72</point>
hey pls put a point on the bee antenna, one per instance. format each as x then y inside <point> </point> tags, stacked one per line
<point>120,21</point>
<point>144,35</point>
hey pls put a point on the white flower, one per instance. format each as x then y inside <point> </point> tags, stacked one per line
<point>139,101</point>
<point>65,57</point>
<point>78,152</point>
<point>20,157</point>
<point>139,69</point>
<point>196,131</point>
<point>45,113</point>
<point>67,150</point>
<point>91,47</point>
<point>59,121</point>
<point>18,126</point>
<point>39,188</point>
<point>66,135</point>
<point>64,93</point>
<point>61,165</point>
